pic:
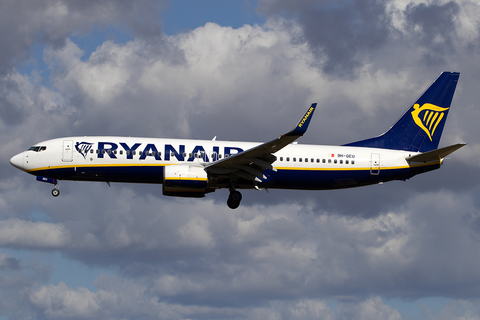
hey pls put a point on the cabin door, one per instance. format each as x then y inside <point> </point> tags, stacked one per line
<point>375,164</point>
<point>67,153</point>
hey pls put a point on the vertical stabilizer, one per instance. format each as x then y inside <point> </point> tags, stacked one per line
<point>421,127</point>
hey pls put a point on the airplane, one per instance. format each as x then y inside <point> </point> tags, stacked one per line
<point>193,168</point>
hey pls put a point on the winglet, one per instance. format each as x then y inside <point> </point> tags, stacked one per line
<point>302,126</point>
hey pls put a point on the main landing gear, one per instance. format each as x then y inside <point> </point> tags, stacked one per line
<point>234,199</point>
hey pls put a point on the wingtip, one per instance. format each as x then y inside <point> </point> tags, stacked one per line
<point>302,125</point>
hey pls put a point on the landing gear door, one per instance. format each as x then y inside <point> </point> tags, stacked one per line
<point>375,164</point>
<point>67,152</point>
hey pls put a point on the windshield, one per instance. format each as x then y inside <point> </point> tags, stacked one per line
<point>37,148</point>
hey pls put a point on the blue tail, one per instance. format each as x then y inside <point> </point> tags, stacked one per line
<point>420,128</point>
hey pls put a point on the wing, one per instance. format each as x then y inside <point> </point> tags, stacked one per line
<point>250,163</point>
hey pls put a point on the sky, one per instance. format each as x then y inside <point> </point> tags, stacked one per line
<point>247,71</point>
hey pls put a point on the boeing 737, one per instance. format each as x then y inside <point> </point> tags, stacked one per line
<point>193,168</point>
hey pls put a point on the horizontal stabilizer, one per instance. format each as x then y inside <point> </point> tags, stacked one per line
<point>435,154</point>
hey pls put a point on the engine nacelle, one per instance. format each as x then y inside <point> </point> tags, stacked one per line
<point>185,180</point>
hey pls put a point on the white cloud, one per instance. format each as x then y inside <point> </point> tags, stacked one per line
<point>196,233</point>
<point>62,302</point>
<point>18,233</point>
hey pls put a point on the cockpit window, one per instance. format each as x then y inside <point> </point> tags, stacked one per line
<point>38,148</point>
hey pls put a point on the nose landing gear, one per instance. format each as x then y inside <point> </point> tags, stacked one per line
<point>234,199</point>
<point>55,191</point>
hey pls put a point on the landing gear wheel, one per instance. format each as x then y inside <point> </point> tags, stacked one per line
<point>234,199</point>
<point>55,192</point>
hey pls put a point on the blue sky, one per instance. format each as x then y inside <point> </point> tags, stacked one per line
<point>403,250</point>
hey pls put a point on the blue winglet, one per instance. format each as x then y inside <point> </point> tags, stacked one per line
<point>302,126</point>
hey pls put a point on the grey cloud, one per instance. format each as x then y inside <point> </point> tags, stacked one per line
<point>341,33</point>
<point>10,114</point>
<point>23,22</point>
<point>437,28</point>
<point>17,278</point>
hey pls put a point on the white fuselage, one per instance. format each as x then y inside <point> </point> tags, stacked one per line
<point>298,166</point>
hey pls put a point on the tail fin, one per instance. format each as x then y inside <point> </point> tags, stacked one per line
<point>420,128</point>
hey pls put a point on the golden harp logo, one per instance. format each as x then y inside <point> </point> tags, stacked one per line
<point>432,115</point>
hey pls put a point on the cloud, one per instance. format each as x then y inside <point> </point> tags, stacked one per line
<point>283,254</point>
<point>15,232</point>
<point>60,302</point>
<point>340,33</point>
<point>52,22</point>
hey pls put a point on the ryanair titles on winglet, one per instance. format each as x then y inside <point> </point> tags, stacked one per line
<point>111,149</point>
<point>305,117</point>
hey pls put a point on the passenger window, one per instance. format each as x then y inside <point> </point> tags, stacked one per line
<point>323,160</point>
<point>299,159</point>
<point>98,151</point>
<point>281,158</point>
<point>134,152</point>
<point>353,161</point>
<point>184,154</point>
<point>346,161</point>
<point>294,159</point>
<point>288,159</point>
<point>335,161</point>
<point>311,160</point>
<point>91,150</point>
<point>121,151</point>
<point>329,160</point>
<point>109,151</point>
<point>219,156</point>
<point>341,161</point>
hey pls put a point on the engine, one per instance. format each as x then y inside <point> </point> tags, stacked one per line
<point>185,180</point>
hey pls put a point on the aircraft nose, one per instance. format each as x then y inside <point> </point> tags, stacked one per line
<point>17,161</point>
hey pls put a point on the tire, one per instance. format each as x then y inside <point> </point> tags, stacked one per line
<point>235,196</point>
<point>55,192</point>
<point>232,205</point>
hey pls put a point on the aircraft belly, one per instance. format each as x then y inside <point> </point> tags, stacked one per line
<point>330,179</point>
